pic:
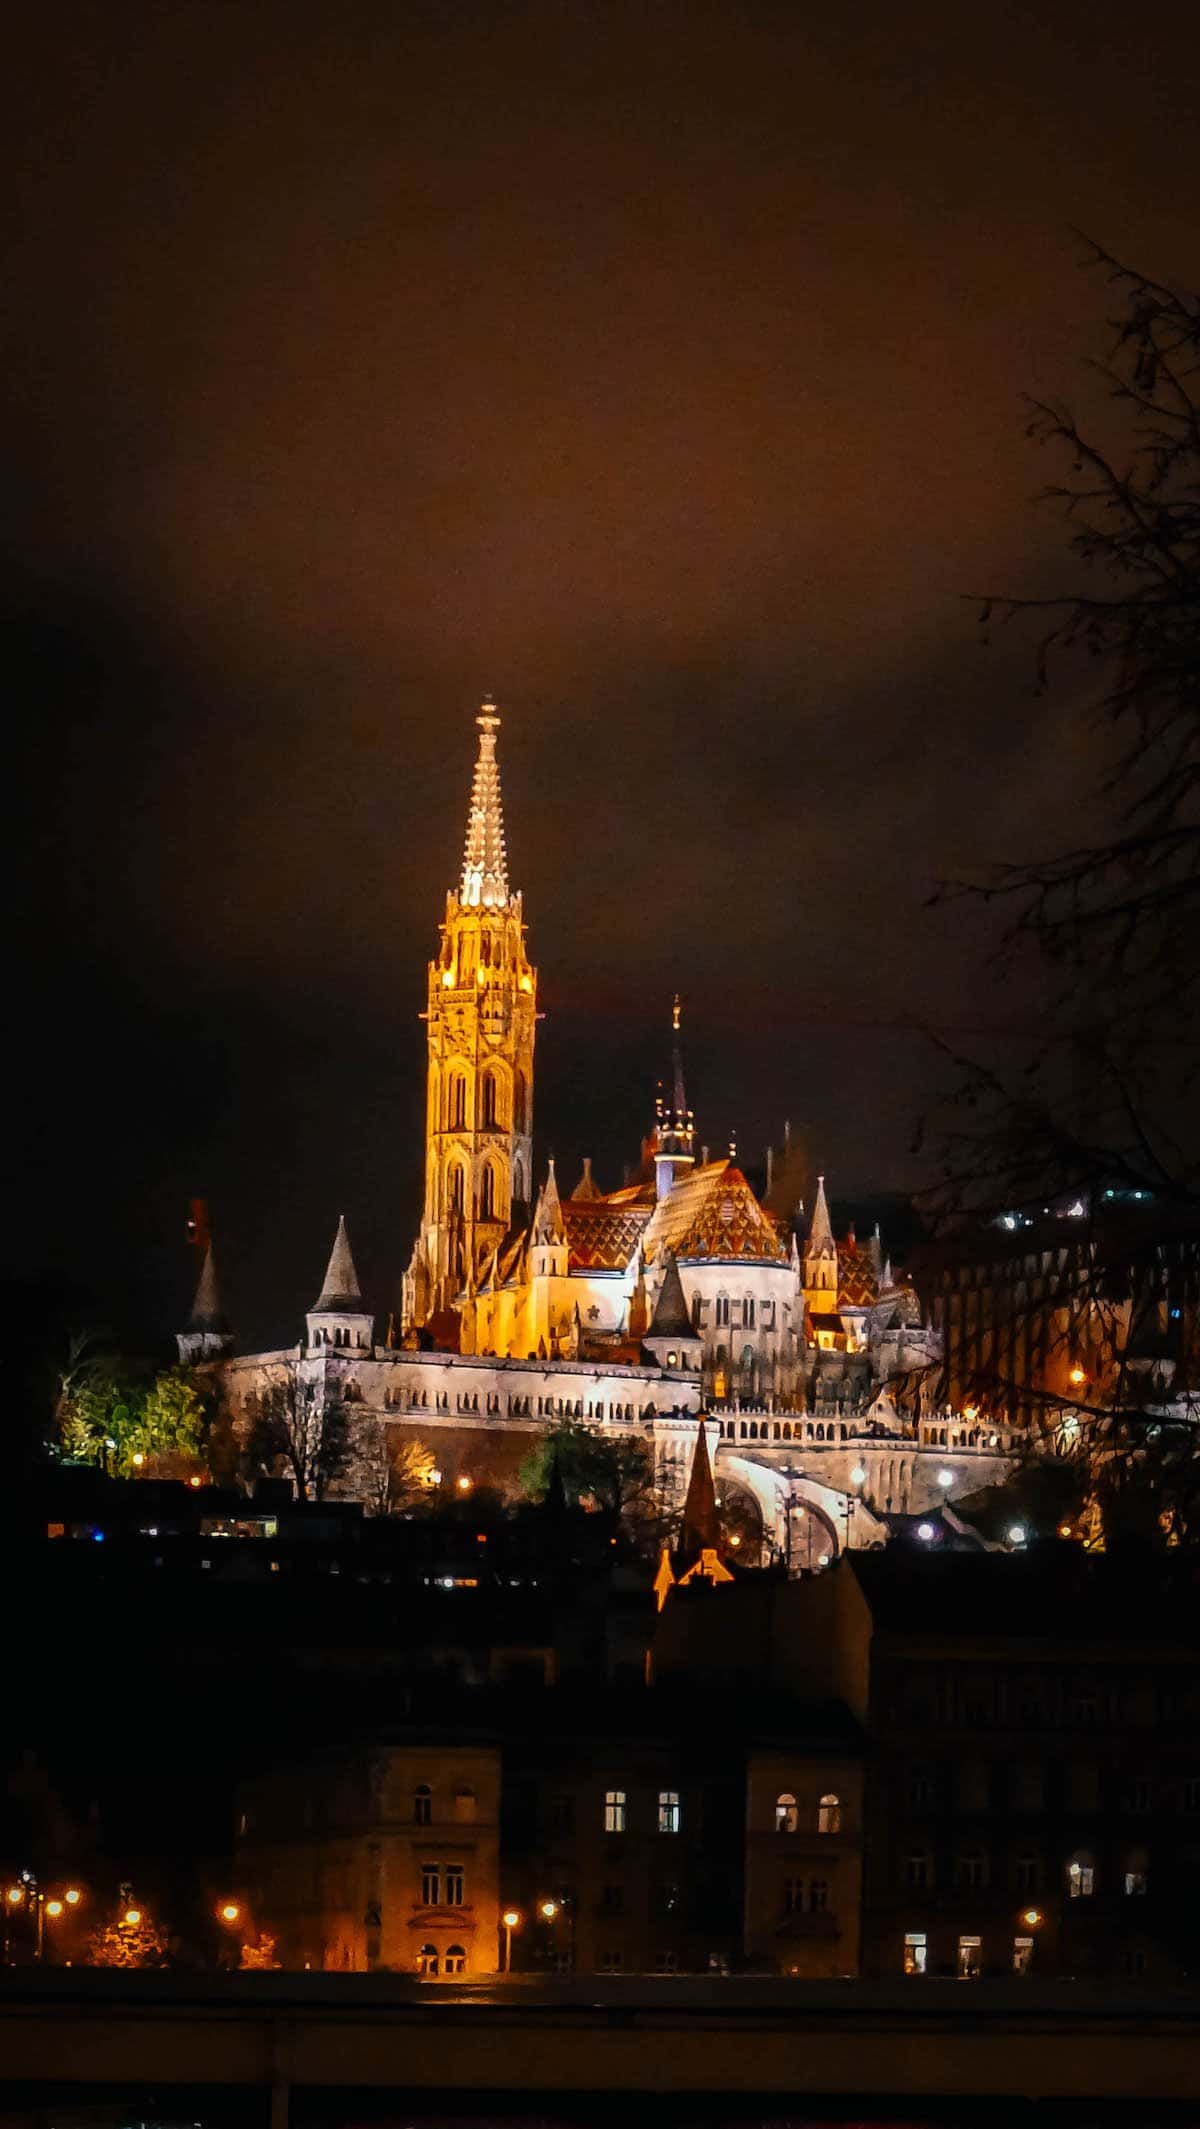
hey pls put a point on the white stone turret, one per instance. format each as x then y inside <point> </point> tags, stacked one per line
<point>338,1317</point>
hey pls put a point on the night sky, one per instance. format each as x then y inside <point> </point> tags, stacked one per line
<point>656,367</point>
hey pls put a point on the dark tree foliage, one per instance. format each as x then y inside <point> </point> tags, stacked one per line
<point>1103,1111</point>
<point>1108,1101</point>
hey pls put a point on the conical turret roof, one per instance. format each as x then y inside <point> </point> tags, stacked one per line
<point>585,1188</point>
<point>485,865</point>
<point>207,1313</point>
<point>670,1318</point>
<point>340,1292</point>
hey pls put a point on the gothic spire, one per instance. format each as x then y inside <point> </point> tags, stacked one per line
<point>207,1313</point>
<point>670,1318</point>
<point>340,1289</point>
<point>485,866</point>
<point>548,1220</point>
<point>699,1529</point>
<point>820,1233</point>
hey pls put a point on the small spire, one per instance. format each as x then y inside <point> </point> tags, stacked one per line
<point>820,1233</point>
<point>699,1528</point>
<point>586,1186</point>
<point>340,1292</point>
<point>548,1220</point>
<point>207,1313</point>
<point>485,864</point>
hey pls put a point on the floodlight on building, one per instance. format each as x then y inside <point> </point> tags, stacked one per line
<point>858,1476</point>
<point>1017,1534</point>
<point>131,1917</point>
<point>926,1532</point>
<point>945,1478</point>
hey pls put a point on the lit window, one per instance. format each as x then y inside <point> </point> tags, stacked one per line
<point>829,1814</point>
<point>431,1884</point>
<point>1081,1877</point>
<point>454,1885</point>
<point>456,1959</point>
<point>427,1961</point>
<point>970,1961</point>
<point>668,1811</point>
<point>422,1804</point>
<point>787,1815</point>
<point>614,1811</point>
<point>1022,1954</point>
<point>916,1951</point>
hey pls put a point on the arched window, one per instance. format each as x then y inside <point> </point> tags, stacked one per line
<point>422,1804</point>
<point>748,1312</point>
<point>487,1194</point>
<point>787,1813</point>
<point>427,1962</point>
<point>456,1960</point>
<point>818,1895</point>
<point>487,1096</point>
<point>520,1102</point>
<point>457,1187</point>
<point>829,1814</point>
<point>456,1102</point>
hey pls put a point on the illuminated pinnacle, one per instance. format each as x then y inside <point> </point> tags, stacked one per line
<point>485,866</point>
<point>820,1234</point>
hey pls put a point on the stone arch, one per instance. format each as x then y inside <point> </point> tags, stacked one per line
<point>772,1490</point>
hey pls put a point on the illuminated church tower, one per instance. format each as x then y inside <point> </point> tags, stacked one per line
<point>481,1019</point>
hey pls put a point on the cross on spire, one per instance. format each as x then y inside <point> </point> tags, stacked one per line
<point>485,865</point>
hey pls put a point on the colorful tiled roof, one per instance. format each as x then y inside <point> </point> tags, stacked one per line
<point>601,1235</point>
<point>714,1213</point>
<point>858,1279</point>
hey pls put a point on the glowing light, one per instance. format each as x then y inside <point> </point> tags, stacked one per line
<point>231,1912</point>
<point>131,1917</point>
<point>16,1893</point>
<point>447,978</point>
<point>1016,1535</point>
<point>945,1478</point>
<point>195,1482</point>
<point>858,1476</point>
<point>527,983</point>
<point>138,1458</point>
<point>480,976</point>
<point>1031,1917</point>
<point>735,1540</point>
<point>549,1909</point>
<point>435,1478</point>
<point>926,1531</point>
<point>72,1896</point>
<point>970,1411</point>
<point>511,1918</point>
<point>1065,1530</point>
<point>1077,1376</point>
<point>465,1484</point>
<point>54,1909</point>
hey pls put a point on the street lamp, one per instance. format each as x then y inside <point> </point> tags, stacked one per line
<point>511,1918</point>
<point>230,1912</point>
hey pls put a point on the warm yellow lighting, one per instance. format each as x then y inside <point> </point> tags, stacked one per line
<point>447,978</point>
<point>72,1896</point>
<point>231,1912</point>
<point>549,1909</point>
<point>138,1458</point>
<point>15,1895</point>
<point>1031,1917</point>
<point>131,1917</point>
<point>970,1411</point>
<point>195,1482</point>
<point>465,1484</point>
<point>54,1909</point>
<point>858,1476</point>
<point>1077,1376</point>
<point>1065,1531</point>
<point>511,1918</point>
<point>735,1540</point>
<point>527,983</point>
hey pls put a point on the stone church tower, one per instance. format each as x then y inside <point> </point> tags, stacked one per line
<point>481,1017</point>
